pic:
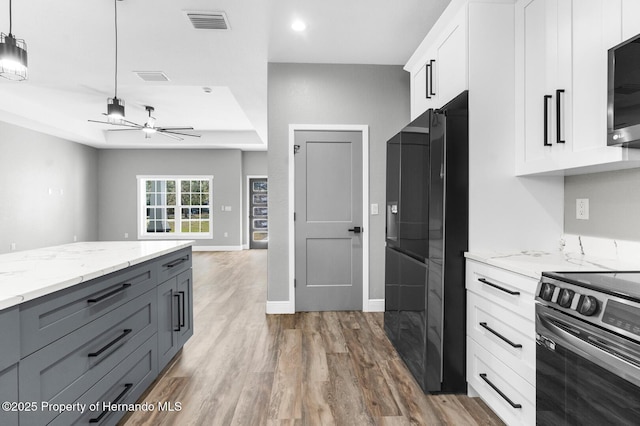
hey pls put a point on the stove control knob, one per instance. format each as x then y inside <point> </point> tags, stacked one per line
<point>587,305</point>
<point>546,291</point>
<point>565,297</point>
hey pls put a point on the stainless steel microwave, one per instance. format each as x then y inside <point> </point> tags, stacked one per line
<point>623,106</point>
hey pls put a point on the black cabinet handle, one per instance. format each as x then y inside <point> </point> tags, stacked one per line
<point>558,118</point>
<point>495,388</point>
<point>115,401</point>
<point>427,78</point>
<point>506,290</point>
<point>113,342</point>
<point>546,120</point>
<point>355,230</point>
<point>108,295</point>
<point>491,330</point>
<point>179,327</point>
<point>183,314</point>
<point>176,262</point>
<point>431,67</point>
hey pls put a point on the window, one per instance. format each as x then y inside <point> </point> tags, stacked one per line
<point>175,207</point>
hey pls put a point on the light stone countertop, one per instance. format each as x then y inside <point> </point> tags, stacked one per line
<point>29,274</point>
<point>578,254</point>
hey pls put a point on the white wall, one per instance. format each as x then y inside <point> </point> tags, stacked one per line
<point>48,190</point>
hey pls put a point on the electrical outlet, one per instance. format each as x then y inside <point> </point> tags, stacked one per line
<point>582,208</point>
<point>13,246</point>
<point>226,234</point>
<point>126,235</point>
<point>75,238</point>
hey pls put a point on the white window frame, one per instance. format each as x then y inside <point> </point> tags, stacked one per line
<point>142,209</point>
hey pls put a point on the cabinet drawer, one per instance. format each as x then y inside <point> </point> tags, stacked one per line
<point>505,334</point>
<point>9,393</point>
<point>495,383</point>
<point>510,290</point>
<point>173,264</point>
<point>62,371</point>
<point>9,336</point>
<point>123,385</point>
<point>46,319</point>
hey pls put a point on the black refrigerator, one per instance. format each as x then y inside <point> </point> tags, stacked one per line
<point>426,237</point>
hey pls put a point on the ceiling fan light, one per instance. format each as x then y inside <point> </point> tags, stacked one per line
<point>149,130</point>
<point>115,108</point>
<point>13,57</point>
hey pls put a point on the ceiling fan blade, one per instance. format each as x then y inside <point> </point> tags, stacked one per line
<point>134,126</point>
<point>122,130</point>
<point>173,128</point>
<point>169,135</point>
<point>178,133</point>
<point>132,123</point>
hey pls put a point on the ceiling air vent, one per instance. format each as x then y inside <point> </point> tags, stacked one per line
<point>208,20</point>
<point>152,75</point>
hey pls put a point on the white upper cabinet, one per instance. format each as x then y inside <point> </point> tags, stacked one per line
<point>561,85</point>
<point>441,72</point>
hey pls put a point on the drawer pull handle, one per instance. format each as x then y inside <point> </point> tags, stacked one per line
<point>108,345</point>
<point>115,401</point>
<point>111,293</point>
<point>176,262</point>
<point>491,330</point>
<point>179,327</point>
<point>182,311</point>
<point>495,388</point>
<point>506,290</point>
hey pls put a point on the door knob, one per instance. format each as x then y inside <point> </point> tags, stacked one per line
<point>355,230</point>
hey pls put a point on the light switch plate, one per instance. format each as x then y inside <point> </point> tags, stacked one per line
<point>374,208</point>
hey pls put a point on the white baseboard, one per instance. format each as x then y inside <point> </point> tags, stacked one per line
<point>216,248</point>
<point>280,307</point>
<point>245,247</point>
<point>375,305</point>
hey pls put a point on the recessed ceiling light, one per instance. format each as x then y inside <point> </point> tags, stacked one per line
<point>298,25</point>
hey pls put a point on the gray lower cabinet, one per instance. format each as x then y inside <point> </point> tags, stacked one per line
<point>9,357</point>
<point>97,345</point>
<point>175,315</point>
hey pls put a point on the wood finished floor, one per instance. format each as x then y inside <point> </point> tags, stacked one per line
<point>242,367</point>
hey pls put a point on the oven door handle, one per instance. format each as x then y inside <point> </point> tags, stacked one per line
<point>595,348</point>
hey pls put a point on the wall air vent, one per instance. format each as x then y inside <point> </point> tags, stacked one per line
<point>152,75</point>
<point>208,20</point>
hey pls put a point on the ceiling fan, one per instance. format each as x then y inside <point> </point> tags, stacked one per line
<point>149,128</point>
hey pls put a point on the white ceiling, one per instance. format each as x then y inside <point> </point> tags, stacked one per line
<point>71,50</point>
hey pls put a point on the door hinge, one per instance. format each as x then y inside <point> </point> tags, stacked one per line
<point>294,216</point>
<point>295,283</point>
<point>296,149</point>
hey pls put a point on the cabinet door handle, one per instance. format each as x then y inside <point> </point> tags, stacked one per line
<point>178,327</point>
<point>491,330</point>
<point>431,67</point>
<point>175,262</point>
<point>111,343</point>
<point>183,311</point>
<point>495,388</point>
<point>546,120</point>
<point>115,401</point>
<point>506,290</point>
<point>427,79</point>
<point>108,295</point>
<point>558,118</point>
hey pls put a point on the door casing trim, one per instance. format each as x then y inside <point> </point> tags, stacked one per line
<point>364,130</point>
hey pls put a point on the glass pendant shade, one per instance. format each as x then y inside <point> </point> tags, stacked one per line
<point>115,108</point>
<point>13,57</point>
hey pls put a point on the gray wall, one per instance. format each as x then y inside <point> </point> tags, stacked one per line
<point>118,191</point>
<point>614,204</point>
<point>48,190</point>
<point>254,163</point>
<point>374,95</point>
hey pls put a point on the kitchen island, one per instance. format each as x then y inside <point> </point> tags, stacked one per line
<point>87,327</point>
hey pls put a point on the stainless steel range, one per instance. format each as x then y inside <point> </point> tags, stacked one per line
<point>588,351</point>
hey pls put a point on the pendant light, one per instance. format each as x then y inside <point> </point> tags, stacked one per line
<point>13,55</point>
<point>115,106</point>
